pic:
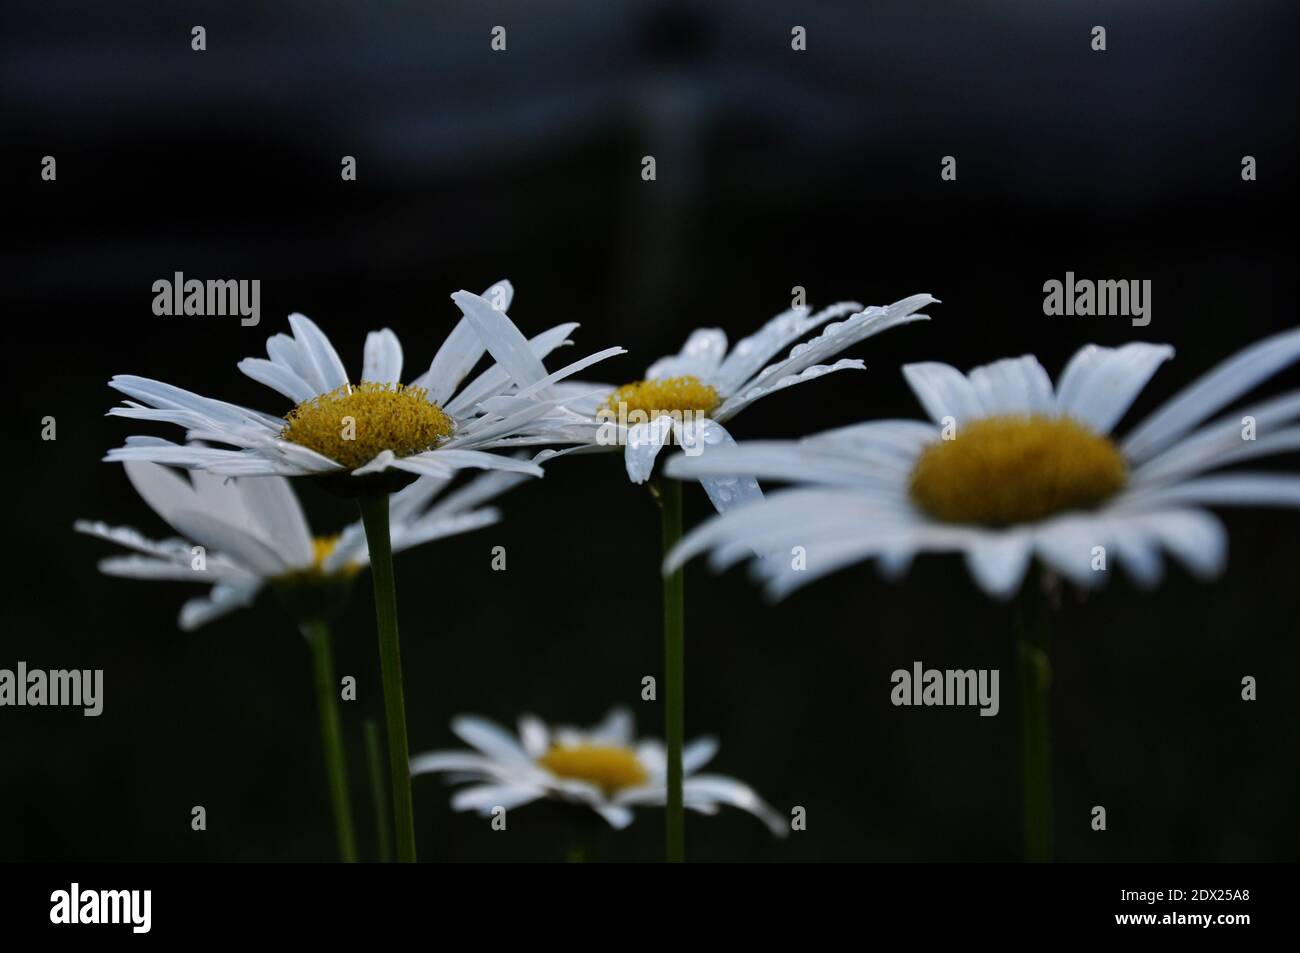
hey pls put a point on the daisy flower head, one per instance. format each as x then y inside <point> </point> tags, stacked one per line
<point>371,436</point>
<point>685,398</point>
<point>1011,467</point>
<point>605,768</point>
<point>245,534</point>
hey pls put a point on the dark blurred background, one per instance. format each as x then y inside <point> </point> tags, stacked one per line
<point>775,168</point>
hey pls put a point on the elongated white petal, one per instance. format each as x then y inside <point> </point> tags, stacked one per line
<point>383,358</point>
<point>1234,377</point>
<point>435,761</point>
<point>485,798</point>
<point>839,336</point>
<point>644,441</point>
<point>1101,383</point>
<point>496,379</point>
<point>222,600</point>
<point>734,405</point>
<point>699,357</point>
<point>998,561</point>
<point>275,512</point>
<point>503,340</point>
<point>489,738</point>
<point>750,354</point>
<point>944,391</point>
<point>323,363</point>
<point>1016,385</point>
<point>725,490</point>
<point>279,378</point>
<point>723,790</point>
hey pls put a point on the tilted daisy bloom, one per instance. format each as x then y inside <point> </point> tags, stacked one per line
<point>246,534</point>
<point>432,426</point>
<point>366,440</point>
<point>686,398</point>
<point>605,768</point>
<point>1010,468</point>
<point>253,536</point>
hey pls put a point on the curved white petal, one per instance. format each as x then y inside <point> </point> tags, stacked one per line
<point>1101,383</point>
<point>322,361</point>
<point>383,358</point>
<point>944,391</point>
<point>644,441</point>
<point>488,737</point>
<point>1224,384</point>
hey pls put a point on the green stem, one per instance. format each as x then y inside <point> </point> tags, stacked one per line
<point>331,733</point>
<point>374,514</point>
<point>383,832</point>
<point>1035,748</point>
<point>670,505</point>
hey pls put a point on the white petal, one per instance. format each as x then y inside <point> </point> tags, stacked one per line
<point>837,337</point>
<point>322,360</point>
<point>698,753</point>
<point>616,728</point>
<point>432,762</point>
<point>486,797</point>
<point>383,358</point>
<point>277,377</point>
<point>719,789</point>
<point>503,340</point>
<point>644,441</point>
<point>750,354</point>
<point>1016,385</point>
<point>734,405</point>
<point>275,511</point>
<point>495,379</point>
<point>1215,390</point>
<point>534,736</point>
<point>222,600</point>
<point>998,561</point>
<point>1101,383</point>
<point>725,490</point>
<point>944,391</point>
<point>488,737</point>
<point>699,357</point>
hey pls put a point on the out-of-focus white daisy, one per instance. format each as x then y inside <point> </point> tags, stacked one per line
<point>686,398</point>
<point>432,426</point>
<point>254,534</point>
<point>1029,470</point>
<point>605,768</point>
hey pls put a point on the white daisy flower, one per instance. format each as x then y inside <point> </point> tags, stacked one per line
<point>253,535</point>
<point>1029,470</point>
<point>605,768</point>
<point>687,397</point>
<point>430,427</point>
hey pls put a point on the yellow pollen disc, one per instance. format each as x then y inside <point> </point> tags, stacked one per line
<point>666,396</point>
<point>1004,470</point>
<point>353,423</point>
<point>609,768</point>
<point>321,547</point>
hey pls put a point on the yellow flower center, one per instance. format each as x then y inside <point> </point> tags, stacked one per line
<point>666,396</point>
<point>355,422</point>
<point>1004,470</point>
<point>322,547</point>
<point>609,767</point>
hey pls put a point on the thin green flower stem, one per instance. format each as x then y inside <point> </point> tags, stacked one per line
<point>1035,747</point>
<point>374,514</point>
<point>331,733</point>
<point>670,506</point>
<point>383,830</point>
